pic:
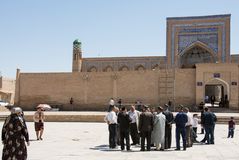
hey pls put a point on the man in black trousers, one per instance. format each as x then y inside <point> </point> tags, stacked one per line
<point>146,123</point>
<point>168,126</point>
<point>180,119</point>
<point>208,121</point>
<point>134,116</point>
<point>124,121</point>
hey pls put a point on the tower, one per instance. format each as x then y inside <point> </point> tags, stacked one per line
<point>77,56</point>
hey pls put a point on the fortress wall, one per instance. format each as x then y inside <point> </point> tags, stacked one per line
<point>92,90</point>
<point>185,86</point>
<point>49,88</point>
<point>139,85</point>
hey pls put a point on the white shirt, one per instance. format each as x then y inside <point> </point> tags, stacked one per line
<point>133,116</point>
<point>111,118</point>
<point>195,122</point>
<point>190,119</point>
<point>112,102</point>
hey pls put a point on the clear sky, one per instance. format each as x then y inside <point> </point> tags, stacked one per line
<point>37,36</point>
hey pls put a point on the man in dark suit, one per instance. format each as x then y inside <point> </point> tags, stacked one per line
<point>145,127</point>
<point>208,122</point>
<point>181,119</point>
<point>168,126</point>
<point>124,121</point>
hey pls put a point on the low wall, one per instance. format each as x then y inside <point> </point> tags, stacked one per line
<point>222,118</point>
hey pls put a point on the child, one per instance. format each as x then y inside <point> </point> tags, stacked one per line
<point>195,123</point>
<point>195,126</point>
<point>231,128</point>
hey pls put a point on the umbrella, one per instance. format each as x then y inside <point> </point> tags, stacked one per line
<point>44,106</point>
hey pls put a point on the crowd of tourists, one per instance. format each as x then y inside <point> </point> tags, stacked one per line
<point>154,125</point>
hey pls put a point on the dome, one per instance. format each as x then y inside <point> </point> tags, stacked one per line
<point>77,42</point>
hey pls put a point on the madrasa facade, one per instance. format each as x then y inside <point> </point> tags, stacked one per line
<point>198,65</point>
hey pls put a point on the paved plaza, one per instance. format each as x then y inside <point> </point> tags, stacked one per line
<point>89,141</point>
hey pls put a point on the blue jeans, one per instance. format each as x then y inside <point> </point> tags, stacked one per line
<point>209,134</point>
<point>180,131</point>
<point>230,132</point>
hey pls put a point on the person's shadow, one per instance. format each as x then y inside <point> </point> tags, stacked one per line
<point>104,147</point>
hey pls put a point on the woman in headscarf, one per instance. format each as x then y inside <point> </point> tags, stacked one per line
<point>14,136</point>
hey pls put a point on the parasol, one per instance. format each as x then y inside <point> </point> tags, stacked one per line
<point>45,107</point>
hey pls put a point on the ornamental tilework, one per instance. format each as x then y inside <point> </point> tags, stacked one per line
<point>210,28</point>
<point>211,40</point>
<point>198,30</point>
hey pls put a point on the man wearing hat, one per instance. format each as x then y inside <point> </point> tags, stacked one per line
<point>168,126</point>
<point>146,123</point>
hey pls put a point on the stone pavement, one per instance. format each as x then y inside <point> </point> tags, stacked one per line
<point>88,141</point>
<point>68,116</point>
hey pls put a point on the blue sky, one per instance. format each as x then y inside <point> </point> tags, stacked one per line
<point>37,36</point>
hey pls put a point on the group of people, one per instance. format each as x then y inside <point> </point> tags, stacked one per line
<point>15,134</point>
<point>155,127</point>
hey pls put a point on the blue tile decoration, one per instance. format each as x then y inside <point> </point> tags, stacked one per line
<point>198,30</point>
<point>211,40</point>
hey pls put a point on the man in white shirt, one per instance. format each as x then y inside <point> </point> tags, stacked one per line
<point>111,120</point>
<point>189,138</point>
<point>134,116</point>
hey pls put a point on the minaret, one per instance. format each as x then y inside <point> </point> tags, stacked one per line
<point>77,56</point>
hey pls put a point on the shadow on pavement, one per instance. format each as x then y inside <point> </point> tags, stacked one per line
<point>106,148</point>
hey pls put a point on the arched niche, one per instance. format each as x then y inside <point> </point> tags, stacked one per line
<point>198,52</point>
<point>140,68</point>
<point>92,69</point>
<point>218,88</point>
<point>124,68</point>
<point>108,69</point>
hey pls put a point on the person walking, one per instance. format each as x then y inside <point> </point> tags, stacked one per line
<point>111,120</point>
<point>39,122</point>
<point>145,127</point>
<point>181,119</point>
<point>124,122</point>
<point>134,133</point>
<point>159,129</point>
<point>168,127</point>
<point>231,127</point>
<point>14,136</point>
